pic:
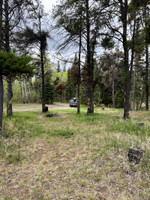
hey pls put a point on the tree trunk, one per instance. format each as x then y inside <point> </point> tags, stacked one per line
<point>128,70</point>
<point>7,49</point>
<point>113,92</point>
<point>79,78</point>
<point>90,94</point>
<point>1,103</point>
<point>9,96</point>
<point>25,88</point>
<point>147,59</point>
<point>133,95</point>
<point>141,101</point>
<point>127,85</point>
<point>29,91</point>
<point>92,97</point>
<point>124,11</point>
<point>42,71</point>
<point>1,79</point>
<point>22,93</point>
<point>127,96</point>
<point>89,67</point>
<point>78,99</point>
<point>147,79</point>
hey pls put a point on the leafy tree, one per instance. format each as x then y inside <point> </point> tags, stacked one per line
<point>73,79</point>
<point>58,67</point>
<point>70,90</point>
<point>13,65</point>
<point>56,81</point>
<point>60,90</point>
<point>60,77</point>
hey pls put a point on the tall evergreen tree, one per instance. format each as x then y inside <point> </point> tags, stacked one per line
<point>1,78</point>
<point>145,5</point>
<point>37,37</point>
<point>12,65</point>
<point>13,12</point>
<point>84,22</point>
<point>120,31</point>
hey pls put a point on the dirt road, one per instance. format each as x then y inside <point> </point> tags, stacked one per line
<point>37,107</point>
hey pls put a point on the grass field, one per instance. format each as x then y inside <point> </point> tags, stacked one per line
<point>74,157</point>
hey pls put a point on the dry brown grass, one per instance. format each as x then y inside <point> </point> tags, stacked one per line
<point>91,164</point>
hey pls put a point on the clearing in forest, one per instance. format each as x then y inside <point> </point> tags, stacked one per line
<point>74,157</point>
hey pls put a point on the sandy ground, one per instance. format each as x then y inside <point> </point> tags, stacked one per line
<point>37,107</point>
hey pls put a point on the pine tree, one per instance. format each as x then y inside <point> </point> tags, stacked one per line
<point>37,37</point>
<point>120,31</point>
<point>12,65</point>
<point>82,23</point>
<point>1,78</point>
<point>12,15</point>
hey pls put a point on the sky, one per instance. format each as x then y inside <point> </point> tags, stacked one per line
<point>54,57</point>
<point>48,4</point>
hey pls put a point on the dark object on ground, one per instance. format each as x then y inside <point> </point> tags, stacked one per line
<point>46,109</point>
<point>73,102</point>
<point>135,154</point>
<point>51,115</point>
<point>140,124</point>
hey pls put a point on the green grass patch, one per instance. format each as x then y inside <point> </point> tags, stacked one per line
<point>74,156</point>
<point>126,126</point>
<point>13,158</point>
<point>8,198</point>
<point>63,133</point>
